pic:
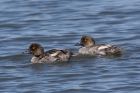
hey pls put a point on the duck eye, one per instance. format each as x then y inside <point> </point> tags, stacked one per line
<point>33,48</point>
<point>85,39</point>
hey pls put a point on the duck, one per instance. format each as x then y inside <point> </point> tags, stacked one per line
<point>50,56</point>
<point>90,48</point>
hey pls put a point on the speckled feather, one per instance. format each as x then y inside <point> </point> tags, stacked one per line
<point>54,55</point>
<point>90,48</point>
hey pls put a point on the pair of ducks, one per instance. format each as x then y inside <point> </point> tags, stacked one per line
<point>56,55</point>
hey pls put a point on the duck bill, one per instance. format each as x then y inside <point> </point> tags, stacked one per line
<point>79,44</point>
<point>26,52</point>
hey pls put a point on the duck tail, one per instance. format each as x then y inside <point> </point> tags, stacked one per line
<point>114,50</point>
<point>119,49</point>
<point>73,55</point>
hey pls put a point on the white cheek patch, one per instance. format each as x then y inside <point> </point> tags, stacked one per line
<point>102,47</point>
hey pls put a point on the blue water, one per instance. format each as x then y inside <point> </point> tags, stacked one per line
<point>61,24</point>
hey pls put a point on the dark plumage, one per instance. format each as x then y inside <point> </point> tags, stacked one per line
<point>54,55</point>
<point>89,47</point>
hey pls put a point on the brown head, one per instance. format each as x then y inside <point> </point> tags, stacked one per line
<point>35,49</point>
<point>86,41</point>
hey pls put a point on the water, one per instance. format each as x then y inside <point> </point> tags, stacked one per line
<point>60,24</point>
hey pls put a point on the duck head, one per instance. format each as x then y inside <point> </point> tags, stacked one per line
<point>35,49</point>
<point>86,41</point>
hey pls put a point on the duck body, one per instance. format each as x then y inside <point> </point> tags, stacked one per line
<point>53,55</point>
<point>90,48</point>
<point>101,49</point>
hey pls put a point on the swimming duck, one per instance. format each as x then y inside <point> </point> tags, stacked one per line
<point>90,48</point>
<point>54,55</point>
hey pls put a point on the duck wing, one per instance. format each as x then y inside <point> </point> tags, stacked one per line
<point>58,55</point>
<point>109,49</point>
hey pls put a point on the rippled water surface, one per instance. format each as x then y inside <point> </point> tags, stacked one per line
<point>60,24</point>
